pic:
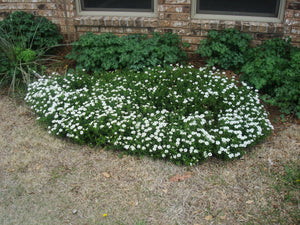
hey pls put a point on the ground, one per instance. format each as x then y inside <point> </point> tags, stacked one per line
<point>48,180</point>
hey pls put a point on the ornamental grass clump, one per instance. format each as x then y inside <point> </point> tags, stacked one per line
<point>25,41</point>
<point>182,114</point>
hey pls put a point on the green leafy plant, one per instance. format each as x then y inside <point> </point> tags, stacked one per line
<point>96,53</point>
<point>24,41</point>
<point>225,49</point>
<point>273,69</point>
<point>27,30</point>
<point>178,113</point>
<point>15,64</point>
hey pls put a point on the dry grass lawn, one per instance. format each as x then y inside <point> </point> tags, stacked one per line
<point>47,180</point>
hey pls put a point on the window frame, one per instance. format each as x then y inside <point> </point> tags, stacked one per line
<point>250,18</point>
<point>98,12</point>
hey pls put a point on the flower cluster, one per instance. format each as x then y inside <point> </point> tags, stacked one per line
<point>178,113</point>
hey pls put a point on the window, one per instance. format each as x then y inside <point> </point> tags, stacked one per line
<point>116,7</point>
<point>253,10</point>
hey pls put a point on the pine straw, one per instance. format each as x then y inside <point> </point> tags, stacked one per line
<point>47,180</point>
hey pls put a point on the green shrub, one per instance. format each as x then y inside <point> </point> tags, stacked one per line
<point>273,68</point>
<point>27,31</point>
<point>24,40</point>
<point>177,113</point>
<point>225,49</point>
<point>96,53</point>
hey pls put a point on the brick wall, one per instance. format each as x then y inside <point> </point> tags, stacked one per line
<point>60,12</point>
<point>173,16</point>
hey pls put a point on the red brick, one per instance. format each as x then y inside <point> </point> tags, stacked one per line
<point>107,21</point>
<point>64,29</point>
<point>271,28</point>
<point>118,30</point>
<point>230,24</point>
<point>192,40</point>
<point>136,30</point>
<point>174,24</point>
<point>193,47</point>
<point>295,30</point>
<point>177,16</point>
<point>178,31</point>
<point>265,36</point>
<point>174,8</point>
<point>178,1</point>
<point>296,22</point>
<point>295,38</point>
<point>195,32</point>
<point>59,21</point>
<point>82,29</point>
<point>195,24</point>
<point>253,26</point>
<point>263,28</point>
<point>222,25</point>
<point>214,25</point>
<point>289,13</point>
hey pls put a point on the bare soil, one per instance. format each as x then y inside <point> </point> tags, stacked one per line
<point>47,180</point>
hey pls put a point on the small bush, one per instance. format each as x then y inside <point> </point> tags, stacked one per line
<point>273,68</point>
<point>179,113</point>
<point>225,49</point>
<point>27,31</point>
<point>96,53</point>
<point>24,40</point>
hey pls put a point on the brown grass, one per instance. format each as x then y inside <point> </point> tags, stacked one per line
<point>47,180</point>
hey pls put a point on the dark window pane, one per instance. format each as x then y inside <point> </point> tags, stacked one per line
<point>118,5</point>
<point>239,7</point>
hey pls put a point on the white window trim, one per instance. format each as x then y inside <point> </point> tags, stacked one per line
<point>81,12</point>
<point>277,19</point>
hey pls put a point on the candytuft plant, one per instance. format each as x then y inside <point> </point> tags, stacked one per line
<point>177,113</point>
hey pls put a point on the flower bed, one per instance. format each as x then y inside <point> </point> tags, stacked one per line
<point>179,113</point>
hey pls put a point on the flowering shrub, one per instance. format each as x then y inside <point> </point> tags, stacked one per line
<point>179,113</point>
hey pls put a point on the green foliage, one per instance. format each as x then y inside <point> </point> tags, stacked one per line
<point>265,64</point>
<point>24,40</point>
<point>273,68</point>
<point>27,31</point>
<point>177,113</point>
<point>225,49</point>
<point>96,53</point>
<point>25,55</point>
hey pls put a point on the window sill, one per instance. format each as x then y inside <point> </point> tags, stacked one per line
<point>245,26</point>
<point>237,18</point>
<point>116,13</point>
<point>116,21</point>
